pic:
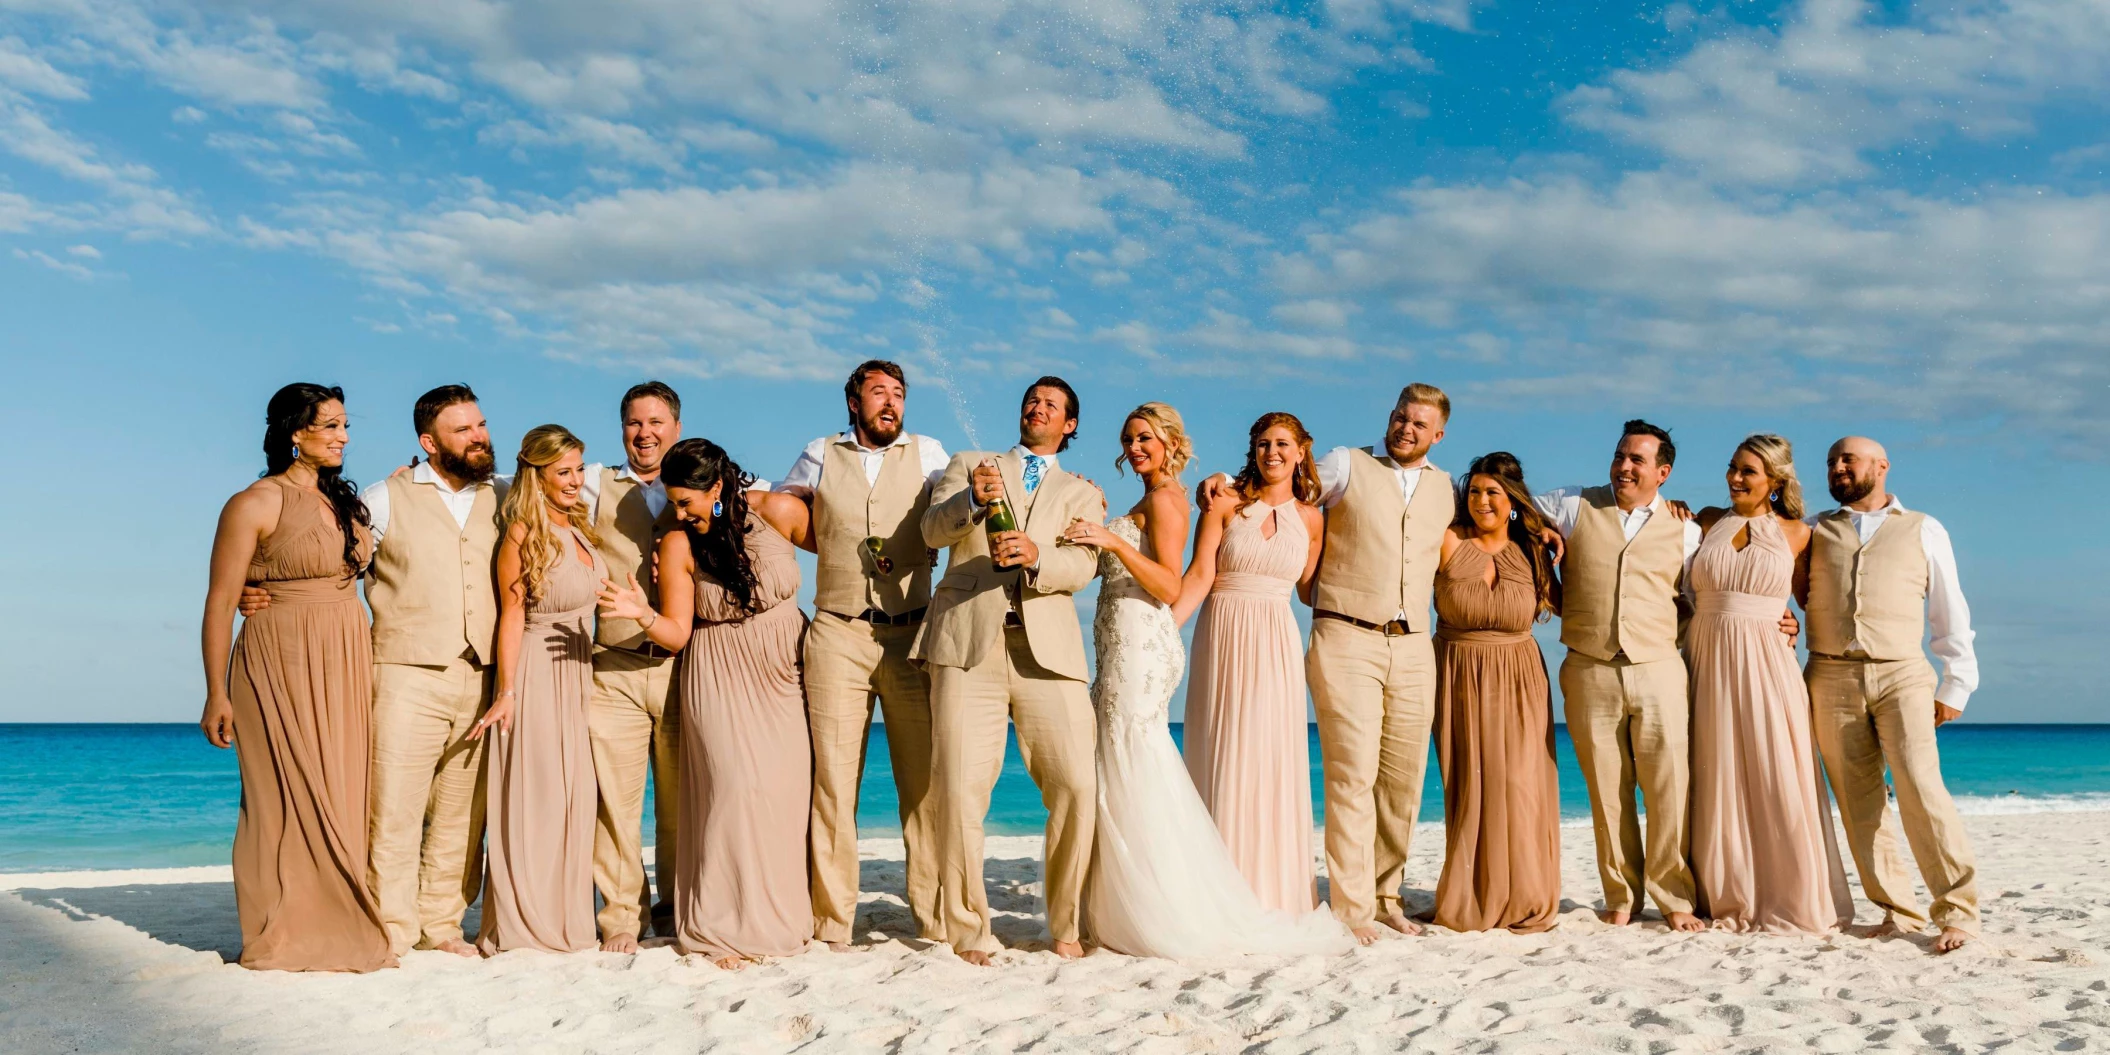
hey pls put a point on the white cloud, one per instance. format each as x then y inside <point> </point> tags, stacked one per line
<point>27,73</point>
<point>1883,301</point>
<point>86,252</point>
<point>1843,78</point>
<point>63,267</point>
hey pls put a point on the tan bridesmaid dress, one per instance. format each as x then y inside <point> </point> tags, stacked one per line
<point>1763,856</point>
<point>538,778</point>
<point>301,681</point>
<point>747,762</point>
<point>1247,743</point>
<point>1494,742</point>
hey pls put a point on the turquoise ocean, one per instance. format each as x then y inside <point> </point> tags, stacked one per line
<point>157,796</point>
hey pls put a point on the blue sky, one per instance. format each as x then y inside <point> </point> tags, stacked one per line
<point>1811,218</point>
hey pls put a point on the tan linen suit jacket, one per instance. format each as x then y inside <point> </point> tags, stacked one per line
<point>966,619</point>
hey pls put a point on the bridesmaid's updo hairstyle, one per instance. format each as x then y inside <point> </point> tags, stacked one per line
<point>1527,525</point>
<point>540,545</point>
<point>1170,427</point>
<point>720,549</point>
<point>292,409</point>
<point>1778,456</point>
<point>1304,481</point>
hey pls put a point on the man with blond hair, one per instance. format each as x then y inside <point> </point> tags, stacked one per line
<point>1880,577</point>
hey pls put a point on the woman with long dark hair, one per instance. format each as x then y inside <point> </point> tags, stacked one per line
<point>1494,709</point>
<point>539,785</point>
<point>740,890</point>
<point>1247,746</point>
<point>292,695</point>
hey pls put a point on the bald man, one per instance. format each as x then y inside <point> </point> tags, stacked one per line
<point>1880,577</point>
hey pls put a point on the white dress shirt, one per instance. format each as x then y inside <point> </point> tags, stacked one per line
<point>655,492</point>
<point>1948,614</point>
<point>805,471</point>
<point>1562,507</point>
<point>1333,474</point>
<point>459,503</point>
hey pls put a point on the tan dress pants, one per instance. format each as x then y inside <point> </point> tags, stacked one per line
<point>1876,713</point>
<point>1058,740</point>
<point>848,661</point>
<point>1375,697</point>
<point>1630,722</point>
<point>634,725</point>
<point>425,813</point>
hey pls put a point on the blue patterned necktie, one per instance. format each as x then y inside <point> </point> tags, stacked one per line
<point>1034,463</point>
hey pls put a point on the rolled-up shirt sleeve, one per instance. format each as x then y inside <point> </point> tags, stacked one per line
<point>805,471</point>
<point>1949,618</point>
<point>1560,506</point>
<point>376,498</point>
<point>1333,476</point>
<point>934,459</point>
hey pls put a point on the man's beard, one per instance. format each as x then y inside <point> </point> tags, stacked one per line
<point>1849,491</point>
<point>475,465</point>
<point>879,434</point>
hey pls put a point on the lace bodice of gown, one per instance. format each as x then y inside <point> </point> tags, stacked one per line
<point>1141,657</point>
<point>776,577</point>
<point>1763,569</point>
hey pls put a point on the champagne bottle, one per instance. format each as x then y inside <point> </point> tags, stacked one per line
<point>999,518</point>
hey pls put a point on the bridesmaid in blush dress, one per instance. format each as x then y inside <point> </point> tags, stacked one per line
<point>1763,855</point>
<point>1494,710</point>
<point>292,694</point>
<point>1247,744</point>
<point>740,883</point>
<point>539,783</point>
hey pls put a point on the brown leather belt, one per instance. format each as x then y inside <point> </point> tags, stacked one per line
<point>878,618</point>
<point>1395,628</point>
<point>649,651</point>
<point>1012,621</point>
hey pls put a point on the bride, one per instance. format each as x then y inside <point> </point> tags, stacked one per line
<point>1162,882</point>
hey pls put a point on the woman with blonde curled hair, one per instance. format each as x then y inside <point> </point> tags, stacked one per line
<point>538,776</point>
<point>1763,857</point>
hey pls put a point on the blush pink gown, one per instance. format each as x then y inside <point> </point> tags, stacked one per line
<point>1247,743</point>
<point>1763,855</point>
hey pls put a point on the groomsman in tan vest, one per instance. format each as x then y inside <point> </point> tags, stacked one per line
<point>1002,639</point>
<point>869,488</point>
<point>1371,665</point>
<point>1623,681</point>
<point>435,529</point>
<point>1880,576</point>
<point>634,719</point>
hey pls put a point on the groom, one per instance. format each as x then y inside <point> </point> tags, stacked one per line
<point>1002,639</point>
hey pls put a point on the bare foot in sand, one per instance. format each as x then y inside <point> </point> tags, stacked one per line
<point>730,963</point>
<point>1684,921</point>
<point>622,943</point>
<point>1401,924</point>
<point>458,947</point>
<point>1887,929</point>
<point>1366,934</point>
<point>1069,950</point>
<point>976,957</point>
<point>1615,917</point>
<point>1951,939</point>
<point>837,946</point>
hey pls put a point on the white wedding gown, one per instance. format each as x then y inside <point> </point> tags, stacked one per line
<point>1162,883</point>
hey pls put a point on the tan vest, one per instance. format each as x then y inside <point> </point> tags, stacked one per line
<point>847,511</point>
<point>430,583</point>
<point>1620,596</point>
<point>1381,554</point>
<point>628,532</point>
<point>1870,598</point>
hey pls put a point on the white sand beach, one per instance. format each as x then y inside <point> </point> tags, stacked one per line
<point>132,962</point>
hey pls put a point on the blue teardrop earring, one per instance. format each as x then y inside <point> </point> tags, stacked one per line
<point>717,509</point>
